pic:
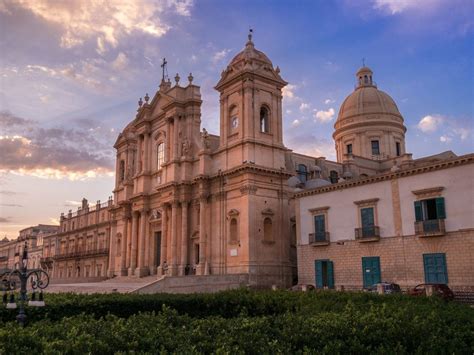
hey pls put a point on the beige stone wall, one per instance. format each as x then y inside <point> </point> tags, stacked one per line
<point>401,259</point>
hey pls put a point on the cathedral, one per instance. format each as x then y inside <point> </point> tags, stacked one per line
<point>189,203</point>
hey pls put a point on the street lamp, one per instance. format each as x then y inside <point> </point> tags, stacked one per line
<point>39,280</point>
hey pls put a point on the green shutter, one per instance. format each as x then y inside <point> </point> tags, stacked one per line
<point>418,211</point>
<point>440,210</point>
<point>330,274</point>
<point>318,270</point>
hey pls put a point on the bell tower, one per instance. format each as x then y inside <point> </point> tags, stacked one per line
<point>251,109</point>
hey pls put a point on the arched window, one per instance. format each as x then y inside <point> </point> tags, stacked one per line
<point>302,172</point>
<point>267,229</point>
<point>122,170</point>
<point>233,230</point>
<point>160,155</point>
<point>264,120</point>
<point>234,118</point>
<point>119,247</point>
<point>366,79</point>
<point>333,176</point>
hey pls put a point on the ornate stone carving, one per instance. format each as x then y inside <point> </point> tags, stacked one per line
<point>248,190</point>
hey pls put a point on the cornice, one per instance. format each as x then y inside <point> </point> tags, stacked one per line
<point>459,161</point>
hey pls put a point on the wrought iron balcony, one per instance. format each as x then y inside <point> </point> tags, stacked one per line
<point>430,228</point>
<point>367,234</point>
<point>79,253</point>
<point>319,238</point>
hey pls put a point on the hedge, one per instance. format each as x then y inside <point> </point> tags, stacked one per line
<point>241,322</point>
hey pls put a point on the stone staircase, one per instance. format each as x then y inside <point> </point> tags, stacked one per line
<point>194,284</point>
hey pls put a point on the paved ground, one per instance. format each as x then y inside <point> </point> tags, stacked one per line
<point>121,285</point>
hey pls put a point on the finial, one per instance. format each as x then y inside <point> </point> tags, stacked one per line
<point>140,102</point>
<point>176,78</point>
<point>250,34</point>
<point>147,98</point>
<point>277,69</point>
<point>190,78</point>
<point>363,62</point>
<point>164,70</point>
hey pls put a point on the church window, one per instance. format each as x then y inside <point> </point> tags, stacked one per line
<point>349,149</point>
<point>233,230</point>
<point>267,229</point>
<point>397,147</point>
<point>333,176</point>
<point>264,120</point>
<point>234,118</point>
<point>375,147</point>
<point>160,152</point>
<point>366,79</point>
<point>122,170</point>
<point>302,172</point>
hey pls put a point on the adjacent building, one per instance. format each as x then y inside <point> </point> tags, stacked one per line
<point>410,223</point>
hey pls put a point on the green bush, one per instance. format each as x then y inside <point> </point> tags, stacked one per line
<point>241,322</point>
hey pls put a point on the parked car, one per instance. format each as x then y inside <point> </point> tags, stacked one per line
<point>440,290</point>
<point>389,287</point>
<point>308,287</point>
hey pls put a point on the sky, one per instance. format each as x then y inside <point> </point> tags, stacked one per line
<point>72,71</point>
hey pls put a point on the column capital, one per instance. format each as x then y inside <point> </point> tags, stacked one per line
<point>174,203</point>
<point>184,203</point>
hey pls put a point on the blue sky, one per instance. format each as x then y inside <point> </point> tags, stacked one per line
<point>71,73</point>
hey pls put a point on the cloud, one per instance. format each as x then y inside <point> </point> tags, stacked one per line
<point>288,91</point>
<point>452,129</point>
<point>102,21</point>
<point>445,139</point>
<point>394,7</point>
<point>8,193</point>
<point>430,123</point>
<point>295,123</point>
<point>328,101</point>
<point>71,203</point>
<point>312,145</point>
<point>121,62</point>
<point>324,116</point>
<point>5,220</point>
<point>304,106</point>
<point>54,221</point>
<point>57,152</point>
<point>218,56</point>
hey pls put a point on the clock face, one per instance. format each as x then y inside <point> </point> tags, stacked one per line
<point>235,122</point>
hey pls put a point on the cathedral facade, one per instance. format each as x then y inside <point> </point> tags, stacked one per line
<point>187,202</point>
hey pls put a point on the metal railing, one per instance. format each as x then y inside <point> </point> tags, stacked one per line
<point>81,253</point>
<point>369,232</point>
<point>430,227</point>
<point>318,237</point>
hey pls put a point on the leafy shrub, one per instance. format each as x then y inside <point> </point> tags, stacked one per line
<point>242,322</point>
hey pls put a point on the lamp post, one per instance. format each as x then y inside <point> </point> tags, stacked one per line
<point>39,280</point>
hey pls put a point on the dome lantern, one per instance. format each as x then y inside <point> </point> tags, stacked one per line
<point>364,77</point>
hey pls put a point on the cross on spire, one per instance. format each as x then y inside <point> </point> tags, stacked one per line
<point>250,34</point>
<point>363,61</point>
<point>163,67</point>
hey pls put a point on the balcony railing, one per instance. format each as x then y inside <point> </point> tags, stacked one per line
<point>367,234</point>
<point>81,253</point>
<point>430,228</point>
<point>319,238</point>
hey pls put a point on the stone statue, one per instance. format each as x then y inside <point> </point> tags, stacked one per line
<point>205,139</point>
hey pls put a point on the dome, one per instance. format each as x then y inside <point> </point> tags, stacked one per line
<point>366,100</point>
<point>293,181</point>
<point>250,53</point>
<point>315,183</point>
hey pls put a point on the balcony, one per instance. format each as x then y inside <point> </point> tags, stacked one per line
<point>319,239</point>
<point>430,228</point>
<point>367,234</point>
<point>79,253</point>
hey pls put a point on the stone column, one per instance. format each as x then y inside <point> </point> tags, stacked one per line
<point>123,252</point>
<point>175,138</point>
<point>133,249</point>
<point>174,256</point>
<point>202,268</point>
<point>146,143</point>
<point>112,250</point>
<point>184,237</point>
<point>164,238</point>
<point>142,247</point>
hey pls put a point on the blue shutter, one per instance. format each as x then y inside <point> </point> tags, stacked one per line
<point>440,210</point>
<point>371,270</point>
<point>435,268</point>
<point>418,211</point>
<point>330,274</point>
<point>318,270</point>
